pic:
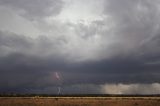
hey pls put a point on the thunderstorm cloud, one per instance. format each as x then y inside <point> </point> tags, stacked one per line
<point>96,46</point>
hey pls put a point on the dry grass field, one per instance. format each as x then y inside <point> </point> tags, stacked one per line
<point>80,101</point>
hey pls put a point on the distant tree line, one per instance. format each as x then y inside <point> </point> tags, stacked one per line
<point>72,95</point>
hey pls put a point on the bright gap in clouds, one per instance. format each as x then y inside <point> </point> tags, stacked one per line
<point>81,11</point>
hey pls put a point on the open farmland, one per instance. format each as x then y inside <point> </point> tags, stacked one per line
<point>80,101</point>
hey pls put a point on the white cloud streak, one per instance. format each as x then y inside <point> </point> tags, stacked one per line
<point>121,88</point>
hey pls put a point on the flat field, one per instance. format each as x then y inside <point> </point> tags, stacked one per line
<point>79,101</point>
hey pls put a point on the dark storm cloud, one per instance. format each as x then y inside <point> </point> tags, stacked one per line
<point>136,24</point>
<point>19,68</point>
<point>122,48</point>
<point>34,8</point>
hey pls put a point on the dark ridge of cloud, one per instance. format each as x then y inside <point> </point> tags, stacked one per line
<point>18,70</point>
<point>30,72</point>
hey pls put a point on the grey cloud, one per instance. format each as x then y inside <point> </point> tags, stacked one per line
<point>41,46</point>
<point>136,24</point>
<point>121,47</point>
<point>34,8</point>
<point>25,61</point>
<point>37,57</point>
<point>130,28</point>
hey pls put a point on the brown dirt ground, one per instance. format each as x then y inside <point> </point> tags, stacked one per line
<point>80,101</point>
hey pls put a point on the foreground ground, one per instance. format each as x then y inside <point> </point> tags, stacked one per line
<point>79,101</point>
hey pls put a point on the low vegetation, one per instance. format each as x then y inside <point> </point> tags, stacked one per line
<point>79,101</point>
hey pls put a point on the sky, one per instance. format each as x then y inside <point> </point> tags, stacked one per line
<point>80,46</point>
